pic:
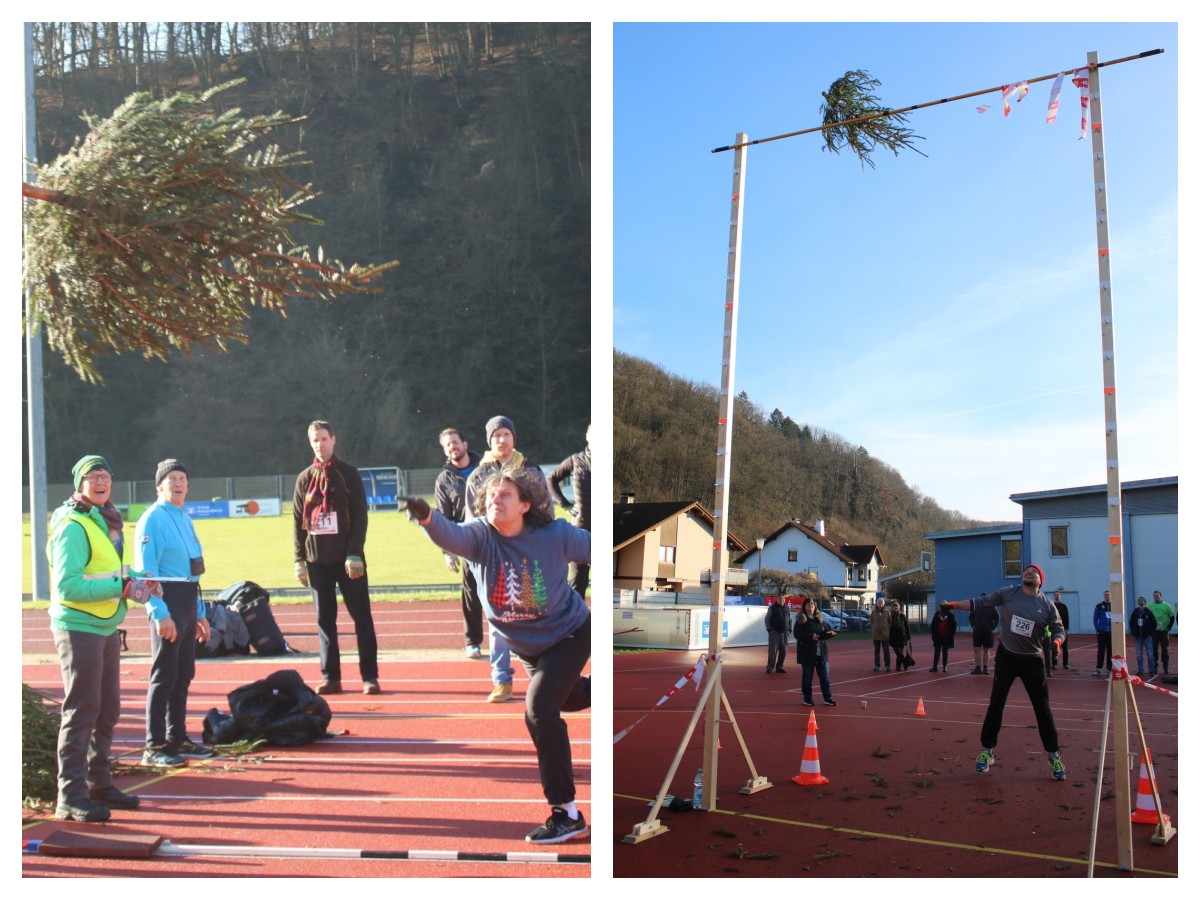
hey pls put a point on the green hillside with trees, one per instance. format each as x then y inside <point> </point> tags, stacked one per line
<point>460,150</point>
<point>664,445</point>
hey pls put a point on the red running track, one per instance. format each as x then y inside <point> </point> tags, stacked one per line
<point>903,798</point>
<point>425,765</point>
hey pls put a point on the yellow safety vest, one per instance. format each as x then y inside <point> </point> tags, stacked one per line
<point>102,564</point>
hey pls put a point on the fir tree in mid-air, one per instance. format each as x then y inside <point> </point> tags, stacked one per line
<point>161,227</point>
<point>849,100</point>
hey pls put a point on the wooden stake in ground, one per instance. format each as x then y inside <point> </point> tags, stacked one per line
<point>163,226</point>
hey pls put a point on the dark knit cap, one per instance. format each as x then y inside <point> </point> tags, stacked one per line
<point>166,467</point>
<point>88,464</point>
<point>497,422</point>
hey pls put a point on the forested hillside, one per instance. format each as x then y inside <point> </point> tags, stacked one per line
<point>664,439</point>
<point>461,150</point>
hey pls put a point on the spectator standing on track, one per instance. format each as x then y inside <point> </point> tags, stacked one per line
<point>449,495</point>
<point>502,455</point>
<point>1065,615</point>
<point>881,633</point>
<point>520,553</point>
<point>329,512</point>
<point>167,550</point>
<point>943,628</point>
<point>779,623</point>
<point>1142,626</point>
<point>1102,622</point>
<point>811,633</point>
<point>899,637</point>
<point>87,605</point>
<point>1164,614</point>
<point>577,467</point>
<point>983,625</point>
<point>1024,613</point>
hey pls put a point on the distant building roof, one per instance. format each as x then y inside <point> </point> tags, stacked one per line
<point>1171,480</point>
<point>860,554</point>
<point>1001,528</point>
<point>632,520</point>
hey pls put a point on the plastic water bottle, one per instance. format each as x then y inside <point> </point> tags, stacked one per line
<point>698,789</point>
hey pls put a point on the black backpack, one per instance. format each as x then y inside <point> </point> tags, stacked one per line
<point>280,709</point>
<point>253,603</point>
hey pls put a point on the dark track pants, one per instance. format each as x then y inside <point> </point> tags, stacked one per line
<point>325,581</point>
<point>1031,670</point>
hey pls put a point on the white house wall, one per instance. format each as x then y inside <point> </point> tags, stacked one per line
<point>1154,545</point>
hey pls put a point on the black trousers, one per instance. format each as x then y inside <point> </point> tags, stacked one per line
<point>1162,648</point>
<point>172,667</point>
<point>1031,670</point>
<point>555,687</point>
<point>325,581</point>
<point>472,609</point>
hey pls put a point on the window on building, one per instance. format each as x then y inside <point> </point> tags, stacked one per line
<point>1058,540</point>
<point>666,555</point>
<point>1012,557</point>
<point>793,554</point>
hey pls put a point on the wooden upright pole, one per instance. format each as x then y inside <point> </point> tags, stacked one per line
<point>1116,543</point>
<point>720,551</point>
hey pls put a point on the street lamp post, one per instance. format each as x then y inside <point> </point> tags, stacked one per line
<point>760,542</point>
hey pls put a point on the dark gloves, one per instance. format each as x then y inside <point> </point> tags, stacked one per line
<point>417,509</point>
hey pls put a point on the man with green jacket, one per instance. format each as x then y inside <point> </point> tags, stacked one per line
<point>89,590</point>
<point>1164,618</point>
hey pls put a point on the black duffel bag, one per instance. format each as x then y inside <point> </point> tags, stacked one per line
<point>280,709</point>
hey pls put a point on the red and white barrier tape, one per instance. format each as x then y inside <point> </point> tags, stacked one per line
<point>1120,672</point>
<point>695,674</point>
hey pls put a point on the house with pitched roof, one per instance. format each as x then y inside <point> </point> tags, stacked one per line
<point>850,570</point>
<point>664,546</point>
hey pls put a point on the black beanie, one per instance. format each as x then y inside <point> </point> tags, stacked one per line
<point>166,467</point>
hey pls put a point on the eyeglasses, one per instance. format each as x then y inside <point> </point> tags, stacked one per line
<point>98,479</point>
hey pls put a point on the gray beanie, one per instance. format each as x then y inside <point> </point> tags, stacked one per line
<point>497,422</point>
<point>166,467</point>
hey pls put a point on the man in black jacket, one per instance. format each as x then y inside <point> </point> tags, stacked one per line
<point>329,509</point>
<point>577,467</point>
<point>779,626</point>
<point>449,494</point>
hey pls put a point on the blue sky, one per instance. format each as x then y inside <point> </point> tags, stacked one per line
<point>942,312</point>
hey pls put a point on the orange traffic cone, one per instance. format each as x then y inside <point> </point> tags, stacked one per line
<point>920,706</point>
<point>810,765</point>
<point>1145,813</point>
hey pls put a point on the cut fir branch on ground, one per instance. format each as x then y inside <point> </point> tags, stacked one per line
<point>40,722</point>
<point>163,226</point>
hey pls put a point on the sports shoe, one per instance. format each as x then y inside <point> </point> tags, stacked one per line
<point>162,758</point>
<point>191,750</point>
<point>977,671</point>
<point>558,828</point>
<point>114,799</point>
<point>830,703</point>
<point>370,686</point>
<point>808,703</point>
<point>329,686</point>
<point>985,670</point>
<point>1058,768</point>
<point>876,668</point>
<point>984,761</point>
<point>1095,673</point>
<point>501,693</point>
<point>770,671</point>
<point>934,669</point>
<point>473,652</point>
<point>781,670</point>
<point>81,811</point>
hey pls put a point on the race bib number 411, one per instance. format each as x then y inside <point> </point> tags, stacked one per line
<point>323,523</point>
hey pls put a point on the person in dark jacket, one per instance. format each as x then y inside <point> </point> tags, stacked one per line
<point>811,632</point>
<point>881,633</point>
<point>943,628</point>
<point>577,467</point>
<point>1142,626</point>
<point>329,509</point>
<point>899,636</point>
<point>1065,615</point>
<point>449,496</point>
<point>1102,622</point>
<point>779,623</point>
<point>983,626</point>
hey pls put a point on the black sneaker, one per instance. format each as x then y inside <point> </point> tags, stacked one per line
<point>81,811</point>
<point>830,703</point>
<point>114,799</point>
<point>558,828</point>
<point>808,703</point>
<point>191,750</point>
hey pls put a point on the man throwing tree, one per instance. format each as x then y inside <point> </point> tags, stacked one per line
<point>1025,612</point>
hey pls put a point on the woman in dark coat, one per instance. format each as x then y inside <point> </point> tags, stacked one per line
<point>943,627</point>
<point>811,632</point>
<point>899,637</point>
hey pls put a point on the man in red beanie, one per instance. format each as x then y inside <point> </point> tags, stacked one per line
<point>1025,614</point>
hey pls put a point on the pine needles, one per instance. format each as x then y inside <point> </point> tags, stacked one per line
<point>39,748</point>
<point>849,100</point>
<point>163,226</point>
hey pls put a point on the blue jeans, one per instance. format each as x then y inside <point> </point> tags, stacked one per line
<point>91,673</point>
<point>172,667</point>
<point>1145,646</point>
<point>501,658</point>
<point>821,667</point>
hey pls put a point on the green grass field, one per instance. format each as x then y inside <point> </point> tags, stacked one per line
<point>398,552</point>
